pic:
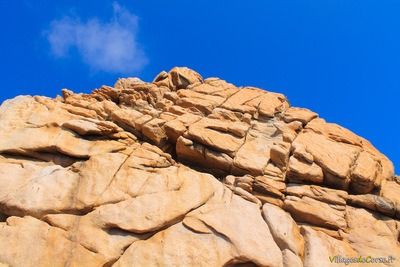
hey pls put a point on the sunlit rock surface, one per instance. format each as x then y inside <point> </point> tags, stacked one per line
<point>186,171</point>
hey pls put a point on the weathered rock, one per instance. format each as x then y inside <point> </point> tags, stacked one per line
<point>124,176</point>
<point>193,249</point>
<point>334,158</point>
<point>374,203</point>
<point>364,173</point>
<point>268,186</point>
<point>327,195</point>
<point>321,249</point>
<point>92,232</point>
<point>317,206</point>
<point>222,136</point>
<point>269,199</point>
<point>309,210</point>
<point>290,259</point>
<point>284,229</point>
<point>198,245</point>
<point>299,114</point>
<point>178,78</point>
<point>150,212</point>
<point>373,235</point>
<point>390,191</point>
<point>341,135</point>
<point>301,171</point>
<point>264,144</point>
<point>31,242</point>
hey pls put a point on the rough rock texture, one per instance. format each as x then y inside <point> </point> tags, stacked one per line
<point>186,171</point>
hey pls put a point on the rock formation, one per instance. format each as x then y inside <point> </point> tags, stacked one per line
<point>186,171</point>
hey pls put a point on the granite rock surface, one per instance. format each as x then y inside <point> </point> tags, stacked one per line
<point>187,171</point>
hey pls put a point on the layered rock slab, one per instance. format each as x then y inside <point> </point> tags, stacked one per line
<point>126,176</point>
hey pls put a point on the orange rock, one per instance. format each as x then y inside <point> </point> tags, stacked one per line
<point>186,171</point>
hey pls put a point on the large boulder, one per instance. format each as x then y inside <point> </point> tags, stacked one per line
<point>186,171</point>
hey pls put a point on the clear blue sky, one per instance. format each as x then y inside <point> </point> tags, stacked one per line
<point>340,58</point>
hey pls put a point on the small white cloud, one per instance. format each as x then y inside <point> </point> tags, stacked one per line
<point>109,46</point>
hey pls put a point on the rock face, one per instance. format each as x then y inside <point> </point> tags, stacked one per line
<point>186,171</point>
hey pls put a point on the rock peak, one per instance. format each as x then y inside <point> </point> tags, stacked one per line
<point>187,171</point>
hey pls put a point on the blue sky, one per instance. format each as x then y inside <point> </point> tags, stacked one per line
<point>340,58</point>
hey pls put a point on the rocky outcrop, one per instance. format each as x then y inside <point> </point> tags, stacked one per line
<point>186,171</point>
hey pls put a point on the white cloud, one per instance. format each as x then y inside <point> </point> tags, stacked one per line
<point>109,46</point>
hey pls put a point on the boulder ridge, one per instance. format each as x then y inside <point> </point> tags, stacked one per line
<point>187,171</point>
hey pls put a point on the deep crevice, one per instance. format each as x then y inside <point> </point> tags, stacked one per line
<point>50,154</point>
<point>3,217</point>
